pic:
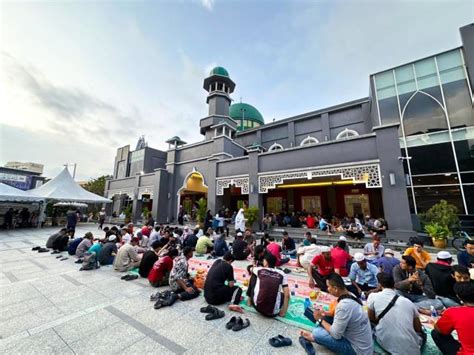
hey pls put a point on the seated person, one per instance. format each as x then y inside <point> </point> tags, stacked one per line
<point>240,249</point>
<point>342,259</point>
<point>306,254</point>
<point>288,244</point>
<point>127,257</point>
<point>466,257</point>
<point>441,277</point>
<point>84,245</point>
<point>459,319</point>
<point>265,240</point>
<point>54,237</point>
<point>275,249</point>
<point>461,273</point>
<point>160,272</point>
<point>216,292</point>
<point>310,221</point>
<point>149,258</point>
<point>374,250</point>
<point>379,226</point>
<point>204,244</point>
<point>108,251</point>
<point>422,257</point>
<point>350,331</point>
<point>363,275</point>
<point>249,238</point>
<point>96,246</point>
<point>355,229</point>
<point>61,244</point>
<point>72,247</point>
<point>324,225</point>
<point>220,246</point>
<point>180,283</point>
<point>307,239</point>
<point>398,330</point>
<point>191,239</point>
<point>268,289</point>
<point>154,235</point>
<point>387,262</point>
<point>415,285</point>
<point>321,267</point>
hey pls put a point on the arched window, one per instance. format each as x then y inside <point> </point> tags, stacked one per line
<point>275,146</point>
<point>309,140</point>
<point>347,133</point>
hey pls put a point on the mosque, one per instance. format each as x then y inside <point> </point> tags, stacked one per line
<point>394,153</point>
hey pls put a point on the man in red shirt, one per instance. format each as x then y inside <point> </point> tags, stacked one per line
<point>459,319</point>
<point>275,249</point>
<point>321,267</point>
<point>310,221</point>
<point>159,274</point>
<point>341,258</point>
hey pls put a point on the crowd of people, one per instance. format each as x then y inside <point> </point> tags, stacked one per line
<point>377,295</point>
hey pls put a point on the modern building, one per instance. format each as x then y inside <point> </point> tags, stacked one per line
<point>29,166</point>
<point>394,153</point>
<point>21,179</point>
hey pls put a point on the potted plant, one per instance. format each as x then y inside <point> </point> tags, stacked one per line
<point>201,211</point>
<point>438,233</point>
<point>251,215</point>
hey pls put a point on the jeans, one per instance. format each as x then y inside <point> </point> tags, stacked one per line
<point>421,301</point>
<point>448,302</point>
<point>319,279</point>
<point>339,346</point>
<point>290,252</point>
<point>185,296</point>
<point>446,343</point>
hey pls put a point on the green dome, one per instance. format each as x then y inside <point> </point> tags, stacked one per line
<point>246,116</point>
<point>220,71</point>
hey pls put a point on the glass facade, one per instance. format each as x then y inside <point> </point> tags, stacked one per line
<point>432,101</point>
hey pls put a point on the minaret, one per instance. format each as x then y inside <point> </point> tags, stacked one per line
<point>219,86</point>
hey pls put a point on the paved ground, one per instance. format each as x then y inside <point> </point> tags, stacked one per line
<point>48,306</point>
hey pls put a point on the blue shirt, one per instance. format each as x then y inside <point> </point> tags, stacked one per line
<point>95,248</point>
<point>367,276</point>
<point>220,247</point>
<point>322,223</point>
<point>386,265</point>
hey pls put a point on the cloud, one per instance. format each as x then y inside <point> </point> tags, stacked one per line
<point>208,4</point>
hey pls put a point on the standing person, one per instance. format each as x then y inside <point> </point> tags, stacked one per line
<point>160,272</point>
<point>415,285</point>
<point>374,250</point>
<point>102,216</point>
<point>421,256</point>
<point>268,289</point>
<point>321,267</point>
<point>459,319</point>
<point>398,328</point>
<point>441,276</point>
<point>216,291</point>
<point>8,219</point>
<point>363,275</point>
<point>240,221</point>
<point>387,262</point>
<point>108,251</point>
<point>288,245</point>
<point>208,220</point>
<point>181,215</point>
<point>466,257</point>
<point>127,257</point>
<point>71,218</point>
<point>180,283</point>
<point>349,333</point>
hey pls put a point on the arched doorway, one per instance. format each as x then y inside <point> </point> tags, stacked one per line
<point>194,188</point>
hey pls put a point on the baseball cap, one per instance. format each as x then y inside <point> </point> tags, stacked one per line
<point>325,249</point>
<point>239,234</point>
<point>112,238</point>
<point>359,257</point>
<point>343,238</point>
<point>443,254</point>
<point>389,251</point>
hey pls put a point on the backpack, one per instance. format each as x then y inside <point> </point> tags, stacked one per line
<point>89,262</point>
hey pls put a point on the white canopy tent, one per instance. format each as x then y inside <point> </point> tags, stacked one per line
<point>12,194</point>
<point>64,188</point>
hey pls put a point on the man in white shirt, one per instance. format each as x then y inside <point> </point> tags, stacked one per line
<point>398,329</point>
<point>305,254</point>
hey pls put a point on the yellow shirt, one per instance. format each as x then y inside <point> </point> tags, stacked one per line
<point>425,256</point>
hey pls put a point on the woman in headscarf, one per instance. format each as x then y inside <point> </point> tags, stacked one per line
<point>240,221</point>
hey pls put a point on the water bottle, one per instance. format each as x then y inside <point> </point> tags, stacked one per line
<point>362,297</point>
<point>307,303</point>
<point>434,312</point>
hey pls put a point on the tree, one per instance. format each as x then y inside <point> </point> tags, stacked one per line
<point>97,186</point>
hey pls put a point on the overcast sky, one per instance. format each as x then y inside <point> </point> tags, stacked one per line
<point>80,79</point>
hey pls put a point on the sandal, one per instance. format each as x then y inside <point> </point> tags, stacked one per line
<point>208,309</point>
<point>279,341</point>
<point>36,248</point>
<point>131,277</point>
<point>240,324</point>
<point>307,346</point>
<point>62,259</point>
<point>124,277</point>
<point>215,314</point>
<point>231,322</point>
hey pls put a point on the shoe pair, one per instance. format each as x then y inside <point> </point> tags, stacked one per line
<point>214,313</point>
<point>279,341</point>
<point>237,323</point>
<point>158,295</point>
<point>166,302</point>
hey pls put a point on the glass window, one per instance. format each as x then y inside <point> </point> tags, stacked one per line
<point>443,179</point>
<point>469,196</point>
<point>465,154</point>
<point>432,159</point>
<point>385,85</point>
<point>137,155</point>
<point>389,110</point>
<point>422,115</point>
<point>426,197</point>
<point>405,79</point>
<point>458,102</point>
<point>410,200</point>
<point>426,73</point>
<point>467,178</point>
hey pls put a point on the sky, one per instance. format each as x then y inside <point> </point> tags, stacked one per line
<point>78,79</point>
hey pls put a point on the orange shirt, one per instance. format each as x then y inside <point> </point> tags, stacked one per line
<point>425,256</point>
